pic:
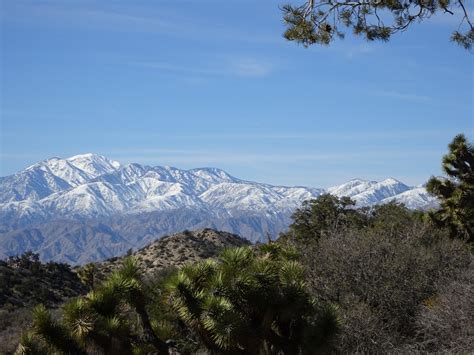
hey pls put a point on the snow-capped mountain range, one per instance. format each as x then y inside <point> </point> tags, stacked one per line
<point>90,188</point>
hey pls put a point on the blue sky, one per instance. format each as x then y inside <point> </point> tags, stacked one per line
<point>212,83</point>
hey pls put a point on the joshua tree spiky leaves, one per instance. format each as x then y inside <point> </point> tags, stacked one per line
<point>98,322</point>
<point>251,302</point>
<point>87,275</point>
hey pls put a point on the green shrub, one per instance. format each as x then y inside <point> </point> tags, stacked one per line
<point>380,273</point>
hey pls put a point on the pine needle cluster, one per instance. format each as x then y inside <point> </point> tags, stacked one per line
<point>456,192</point>
<point>320,22</point>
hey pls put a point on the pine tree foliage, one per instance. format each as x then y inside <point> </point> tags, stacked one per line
<point>456,192</point>
<point>250,301</point>
<point>325,214</point>
<point>324,20</point>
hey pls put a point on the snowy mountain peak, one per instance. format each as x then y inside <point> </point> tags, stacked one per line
<point>356,181</point>
<point>52,159</point>
<point>391,181</point>
<point>70,188</point>
<point>213,174</point>
<point>351,188</point>
<point>84,156</point>
<point>42,164</point>
<point>62,194</point>
<point>94,164</point>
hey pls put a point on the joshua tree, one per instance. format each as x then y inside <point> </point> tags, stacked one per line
<point>99,322</point>
<point>249,302</point>
<point>252,302</point>
<point>87,275</point>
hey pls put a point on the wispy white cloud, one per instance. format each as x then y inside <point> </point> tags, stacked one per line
<point>350,48</point>
<point>401,96</point>
<point>183,69</point>
<point>346,136</point>
<point>15,156</point>
<point>129,18</point>
<point>88,17</point>
<point>193,157</point>
<point>220,159</point>
<point>243,67</point>
<point>361,49</point>
<point>250,67</point>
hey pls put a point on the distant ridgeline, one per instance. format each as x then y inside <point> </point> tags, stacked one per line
<point>88,207</point>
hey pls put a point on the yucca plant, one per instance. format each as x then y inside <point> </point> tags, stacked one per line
<point>100,322</point>
<point>87,275</point>
<point>252,302</point>
<point>31,344</point>
<point>248,301</point>
<point>48,336</point>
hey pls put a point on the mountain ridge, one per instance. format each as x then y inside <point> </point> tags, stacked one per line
<point>86,190</point>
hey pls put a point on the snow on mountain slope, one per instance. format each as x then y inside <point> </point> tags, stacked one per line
<point>54,175</point>
<point>91,185</point>
<point>417,198</point>
<point>88,200</point>
<point>91,197</point>
<point>213,175</point>
<point>379,191</point>
<point>292,197</point>
<point>94,164</point>
<point>351,188</point>
<point>33,183</point>
<point>242,196</point>
<point>65,170</point>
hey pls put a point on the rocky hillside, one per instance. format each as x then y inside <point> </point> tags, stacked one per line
<point>177,250</point>
<point>26,282</point>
